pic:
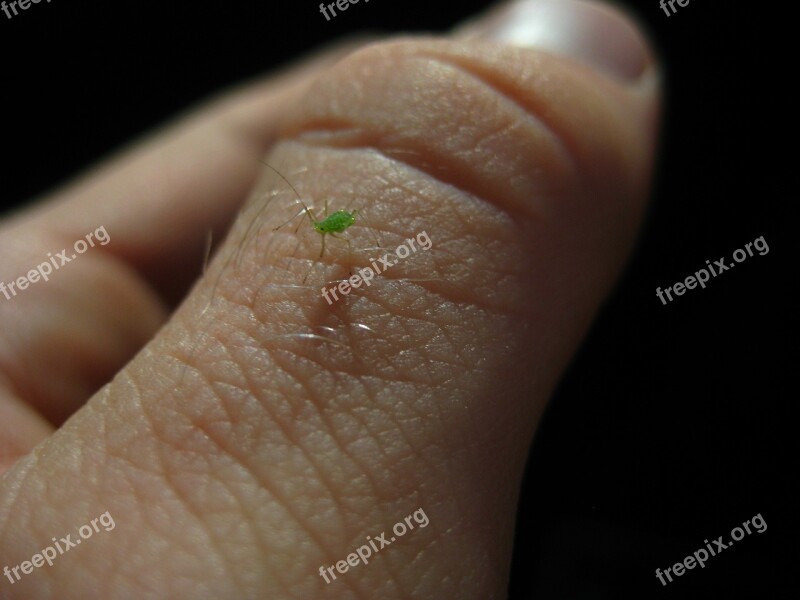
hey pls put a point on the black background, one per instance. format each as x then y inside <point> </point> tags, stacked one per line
<point>673,425</point>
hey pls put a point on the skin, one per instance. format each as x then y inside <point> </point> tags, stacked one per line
<point>276,455</point>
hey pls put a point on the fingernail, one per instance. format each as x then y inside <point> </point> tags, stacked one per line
<point>592,33</point>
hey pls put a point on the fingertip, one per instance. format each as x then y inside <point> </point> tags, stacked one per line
<point>595,34</point>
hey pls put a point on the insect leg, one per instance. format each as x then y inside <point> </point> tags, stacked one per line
<point>344,239</point>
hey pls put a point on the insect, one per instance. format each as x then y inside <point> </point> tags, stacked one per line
<point>330,224</point>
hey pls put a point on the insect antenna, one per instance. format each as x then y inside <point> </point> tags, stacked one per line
<point>296,193</point>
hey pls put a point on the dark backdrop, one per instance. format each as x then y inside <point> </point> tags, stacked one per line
<point>673,424</point>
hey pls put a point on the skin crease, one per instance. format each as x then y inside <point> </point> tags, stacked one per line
<point>237,459</point>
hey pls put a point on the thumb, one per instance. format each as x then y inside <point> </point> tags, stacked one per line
<point>272,443</point>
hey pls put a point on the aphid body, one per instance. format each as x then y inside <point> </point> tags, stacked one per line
<point>336,222</point>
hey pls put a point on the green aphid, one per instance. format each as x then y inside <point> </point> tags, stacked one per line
<point>337,222</point>
<point>332,224</point>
